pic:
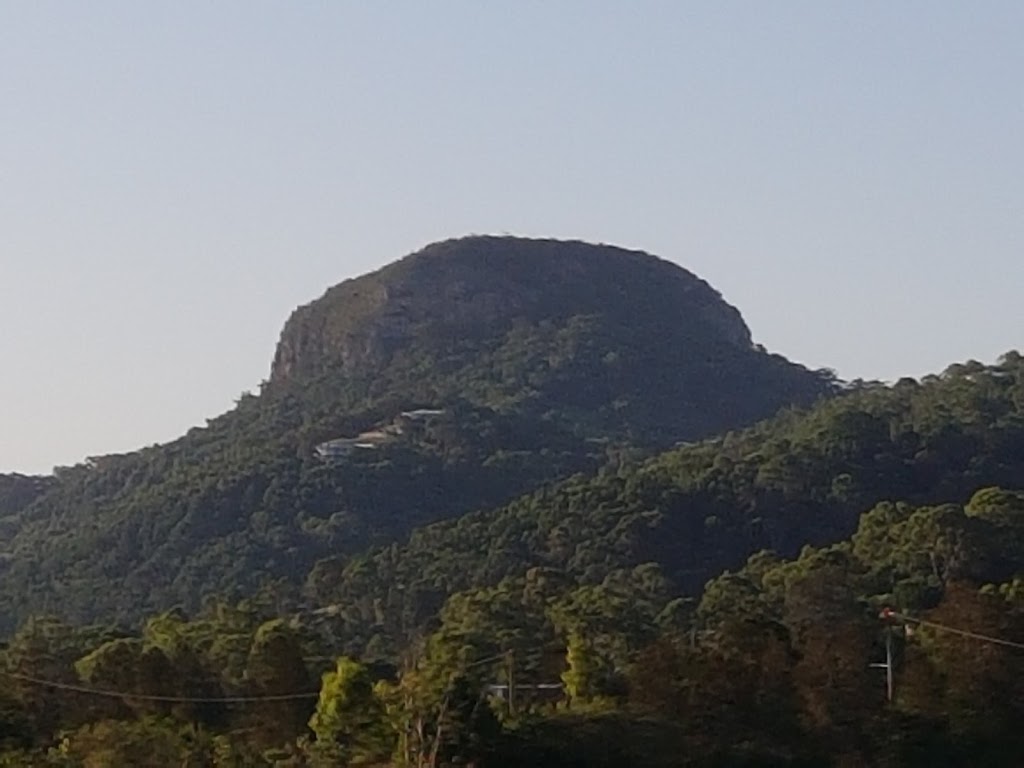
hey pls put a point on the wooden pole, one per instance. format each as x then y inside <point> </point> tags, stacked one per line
<point>511,684</point>
<point>888,663</point>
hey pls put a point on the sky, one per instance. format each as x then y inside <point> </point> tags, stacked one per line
<point>175,178</point>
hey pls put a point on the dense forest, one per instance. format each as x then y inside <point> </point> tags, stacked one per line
<point>582,530</point>
<point>801,478</point>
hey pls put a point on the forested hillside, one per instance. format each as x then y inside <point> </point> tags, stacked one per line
<point>773,663</point>
<point>546,358</point>
<point>801,478</point>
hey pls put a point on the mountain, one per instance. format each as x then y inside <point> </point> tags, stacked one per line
<point>458,378</point>
<point>601,340</point>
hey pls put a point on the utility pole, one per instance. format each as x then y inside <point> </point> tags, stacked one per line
<point>888,663</point>
<point>886,615</point>
<point>511,684</point>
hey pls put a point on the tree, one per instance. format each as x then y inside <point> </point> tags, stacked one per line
<point>349,722</point>
<point>276,667</point>
<point>151,741</point>
<point>979,683</point>
<point>437,707</point>
<point>583,673</point>
<point>128,665</point>
<point>46,649</point>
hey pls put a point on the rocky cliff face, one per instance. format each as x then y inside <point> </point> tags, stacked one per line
<point>478,287</point>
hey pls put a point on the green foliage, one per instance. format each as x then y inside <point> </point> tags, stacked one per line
<point>276,667</point>
<point>349,722</point>
<point>801,478</point>
<point>151,742</point>
<point>772,668</point>
<point>583,673</point>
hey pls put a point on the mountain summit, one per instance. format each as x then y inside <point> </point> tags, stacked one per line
<point>481,288</point>
<point>618,339</point>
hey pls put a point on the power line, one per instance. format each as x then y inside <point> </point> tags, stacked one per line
<point>888,614</point>
<point>112,694</point>
<point>953,630</point>
<point>84,689</point>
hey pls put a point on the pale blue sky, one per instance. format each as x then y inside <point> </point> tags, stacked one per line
<point>176,177</point>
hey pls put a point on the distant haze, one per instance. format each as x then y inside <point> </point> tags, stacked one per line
<point>176,178</point>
